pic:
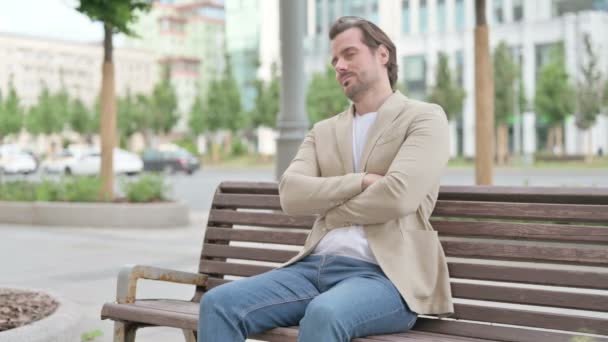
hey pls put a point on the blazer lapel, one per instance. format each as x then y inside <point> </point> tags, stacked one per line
<point>386,114</point>
<point>344,139</point>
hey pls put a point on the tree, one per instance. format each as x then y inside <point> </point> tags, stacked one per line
<point>223,107</point>
<point>162,106</point>
<point>484,99</point>
<point>325,97</point>
<point>446,92</point>
<point>80,118</point>
<point>43,117</point>
<point>506,73</point>
<point>11,112</point>
<point>132,112</point>
<point>197,121</point>
<point>267,101</point>
<point>554,97</point>
<point>115,15</point>
<point>589,93</point>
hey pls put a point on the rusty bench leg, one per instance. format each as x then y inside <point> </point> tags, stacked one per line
<point>124,332</point>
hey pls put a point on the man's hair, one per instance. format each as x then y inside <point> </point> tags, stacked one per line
<point>373,37</point>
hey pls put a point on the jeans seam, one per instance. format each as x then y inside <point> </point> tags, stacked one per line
<point>319,272</point>
<point>249,310</point>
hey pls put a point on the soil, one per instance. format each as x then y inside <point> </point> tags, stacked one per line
<point>19,307</point>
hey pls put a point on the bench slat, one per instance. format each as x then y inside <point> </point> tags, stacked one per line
<point>247,253</point>
<point>528,211</point>
<point>506,294</point>
<point>239,201</point>
<point>568,322</point>
<point>520,274</point>
<point>501,333</point>
<point>249,235</point>
<point>260,219</point>
<point>506,251</point>
<point>520,230</point>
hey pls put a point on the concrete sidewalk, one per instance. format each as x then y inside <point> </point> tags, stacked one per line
<point>81,264</point>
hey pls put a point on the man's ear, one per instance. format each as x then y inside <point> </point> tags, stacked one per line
<point>383,54</point>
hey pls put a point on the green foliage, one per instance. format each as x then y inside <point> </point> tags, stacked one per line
<point>222,106</point>
<point>148,188</point>
<point>161,106</point>
<point>238,147</point>
<point>188,144</point>
<point>267,101</point>
<point>131,113</point>
<point>116,13</point>
<point>91,335</point>
<point>589,90</point>
<point>198,116</point>
<point>80,118</point>
<point>80,189</point>
<point>44,117</point>
<point>554,98</point>
<point>325,96</point>
<point>446,92</point>
<point>506,73</point>
<point>11,112</point>
<point>69,189</point>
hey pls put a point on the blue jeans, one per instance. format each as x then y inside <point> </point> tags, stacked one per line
<point>331,298</point>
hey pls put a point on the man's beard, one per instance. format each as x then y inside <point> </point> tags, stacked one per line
<point>356,90</point>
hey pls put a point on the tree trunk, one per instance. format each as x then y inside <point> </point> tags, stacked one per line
<point>503,139</point>
<point>484,100</point>
<point>550,139</point>
<point>589,156</point>
<point>559,140</point>
<point>108,117</point>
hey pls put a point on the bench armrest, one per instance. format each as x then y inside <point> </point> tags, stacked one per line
<point>129,274</point>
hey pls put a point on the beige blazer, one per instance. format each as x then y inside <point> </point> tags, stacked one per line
<point>408,143</point>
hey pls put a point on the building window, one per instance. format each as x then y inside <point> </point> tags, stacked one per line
<point>331,11</point>
<point>373,17</point>
<point>405,16</point>
<point>441,16</point>
<point>319,16</point>
<point>354,7</point>
<point>498,12</point>
<point>415,76</point>
<point>424,16</point>
<point>459,20</point>
<point>545,53</point>
<point>518,10</point>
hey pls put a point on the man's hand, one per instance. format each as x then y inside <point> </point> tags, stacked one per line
<point>370,179</point>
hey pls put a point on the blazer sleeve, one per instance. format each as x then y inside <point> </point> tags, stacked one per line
<point>415,170</point>
<point>303,191</point>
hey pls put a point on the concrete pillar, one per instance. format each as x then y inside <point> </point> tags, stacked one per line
<point>292,121</point>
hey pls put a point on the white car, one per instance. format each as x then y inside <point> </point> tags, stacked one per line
<point>15,160</point>
<point>88,162</point>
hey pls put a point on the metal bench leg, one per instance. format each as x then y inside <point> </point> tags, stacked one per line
<point>189,335</point>
<point>124,332</point>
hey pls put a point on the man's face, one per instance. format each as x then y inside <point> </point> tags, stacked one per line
<point>357,67</point>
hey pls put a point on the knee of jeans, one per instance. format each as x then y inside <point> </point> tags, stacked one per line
<point>321,314</point>
<point>214,300</point>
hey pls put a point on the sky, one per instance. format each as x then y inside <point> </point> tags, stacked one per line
<point>56,19</point>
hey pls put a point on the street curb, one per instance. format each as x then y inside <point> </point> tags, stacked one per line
<point>77,214</point>
<point>63,325</point>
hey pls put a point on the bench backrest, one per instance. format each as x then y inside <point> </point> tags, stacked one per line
<point>525,257</point>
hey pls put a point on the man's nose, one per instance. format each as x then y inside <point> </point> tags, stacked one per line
<point>340,65</point>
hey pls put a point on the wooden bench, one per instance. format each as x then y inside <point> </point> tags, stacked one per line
<point>527,264</point>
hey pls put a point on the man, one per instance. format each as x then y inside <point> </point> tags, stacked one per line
<point>372,261</point>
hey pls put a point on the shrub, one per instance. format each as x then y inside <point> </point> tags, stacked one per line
<point>148,188</point>
<point>80,189</point>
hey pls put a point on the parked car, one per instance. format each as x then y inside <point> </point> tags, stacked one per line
<point>88,162</point>
<point>15,160</point>
<point>170,160</point>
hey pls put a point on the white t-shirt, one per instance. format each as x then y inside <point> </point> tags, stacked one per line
<point>351,241</point>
